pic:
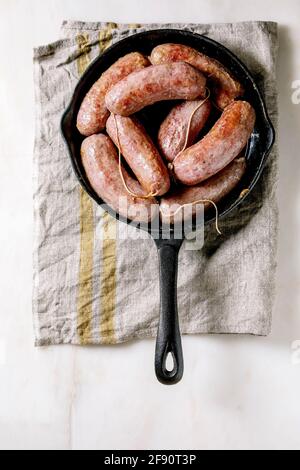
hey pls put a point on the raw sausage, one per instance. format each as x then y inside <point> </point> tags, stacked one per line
<point>219,147</point>
<point>100,161</point>
<point>93,113</point>
<point>214,189</point>
<point>101,164</point>
<point>173,130</point>
<point>140,153</point>
<point>173,81</point>
<point>226,87</point>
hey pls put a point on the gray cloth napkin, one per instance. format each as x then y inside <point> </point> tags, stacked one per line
<point>91,289</point>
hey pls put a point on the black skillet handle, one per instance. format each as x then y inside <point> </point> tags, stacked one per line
<point>168,336</point>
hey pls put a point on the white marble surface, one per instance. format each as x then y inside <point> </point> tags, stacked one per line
<point>237,393</point>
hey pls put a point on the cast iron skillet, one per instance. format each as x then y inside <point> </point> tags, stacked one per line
<point>260,143</point>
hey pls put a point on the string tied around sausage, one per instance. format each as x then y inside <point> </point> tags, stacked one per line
<point>137,196</point>
<point>154,194</point>
<point>199,201</point>
<point>171,164</point>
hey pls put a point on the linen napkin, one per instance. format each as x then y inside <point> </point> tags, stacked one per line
<point>92,289</point>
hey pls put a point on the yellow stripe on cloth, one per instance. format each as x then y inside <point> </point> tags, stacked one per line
<point>109,247</point>
<point>108,281</point>
<point>84,49</point>
<point>135,26</point>
<point>105,36</point>
<point>85,293</point>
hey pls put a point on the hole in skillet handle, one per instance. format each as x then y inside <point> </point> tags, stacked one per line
<point>165,374</point>
<point>170,362</point>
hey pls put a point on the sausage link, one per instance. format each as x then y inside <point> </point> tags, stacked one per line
<point>214,189</point>
<point>226,87</point>
<point>140,153</point>
<point>219,147</point>
<point>101,164</point>
<point>155,83</point>
<point>93,113</point>
<point>173,130</point>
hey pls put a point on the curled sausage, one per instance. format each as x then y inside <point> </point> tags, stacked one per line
<point>226,87</point>
<point>93,113</point>
<point>173,81</point>
<point>101,164</point>
<point>140,153</point>
<point>214,189</point>
<point>173,130</point>
<point>219,147</point>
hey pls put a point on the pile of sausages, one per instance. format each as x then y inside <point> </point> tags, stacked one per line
<point>207,169</point>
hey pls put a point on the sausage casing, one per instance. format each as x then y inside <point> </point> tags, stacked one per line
<point>226,87</point>
<point>172,81</point>
<point>219,147</point>
<point>214,189</point>
<point>101,164</point>
<point>93,113</point>
<point>173,130</point>
<point>140,153</point>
